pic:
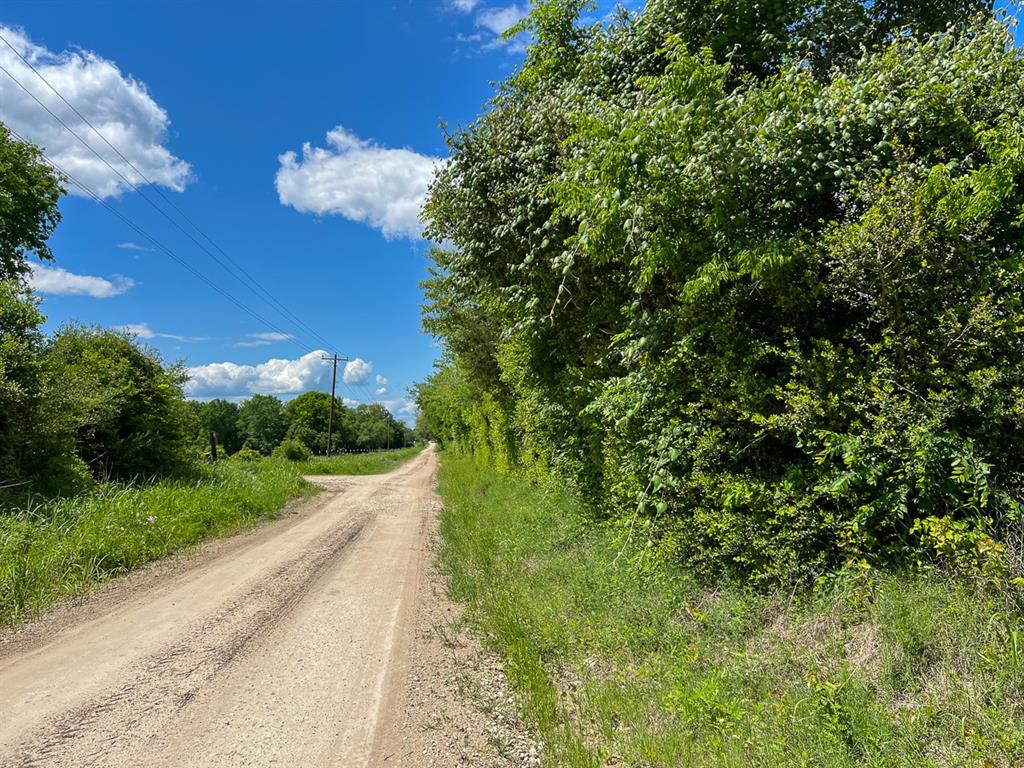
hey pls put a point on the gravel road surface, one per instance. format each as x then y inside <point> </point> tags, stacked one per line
<point>288,646</point>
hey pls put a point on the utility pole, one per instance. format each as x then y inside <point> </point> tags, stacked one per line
<point>330,414</point>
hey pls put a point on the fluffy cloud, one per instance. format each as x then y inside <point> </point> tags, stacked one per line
<point>274,377</point>
<point>357,371</point>
<point>464,6</point>
<point>60,282</point>
<point>262,339</point>
<point>359,180</point>
<point>382,385</point>
<point>118,105</point>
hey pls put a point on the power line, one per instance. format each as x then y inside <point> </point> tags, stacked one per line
<point>252,284</point>
<point>157,243</point>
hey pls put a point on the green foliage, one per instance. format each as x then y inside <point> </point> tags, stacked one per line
<point>125,409</point>
<point>261,423</point>
<point>33,445</point>
<point>637,663</point>
<point>29,191</point>
<point>372,427</point>
<point>219,417</point>
<point>748,275</point>
<point>245,453</point>
<point>362,463</point>
<point>292,450</point>
<point>308,416</point>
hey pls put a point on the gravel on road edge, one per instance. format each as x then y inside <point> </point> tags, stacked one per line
<point>458,710</point>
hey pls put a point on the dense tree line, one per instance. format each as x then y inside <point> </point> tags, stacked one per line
<point>262,422</point>
<point>90,403</point>
<point>748,274</point>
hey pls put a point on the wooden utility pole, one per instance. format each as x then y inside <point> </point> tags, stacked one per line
<point>330,414</point>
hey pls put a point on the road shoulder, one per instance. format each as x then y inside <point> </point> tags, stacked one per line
<point>454,707</point>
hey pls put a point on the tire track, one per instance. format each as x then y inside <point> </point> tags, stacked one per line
<point>168,681</point>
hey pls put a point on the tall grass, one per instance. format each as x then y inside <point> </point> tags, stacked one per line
<point>371,463</point>
<point>619,662</point>
<point>55,548</point>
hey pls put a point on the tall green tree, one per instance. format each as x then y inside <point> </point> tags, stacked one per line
<point>220,417</point>
<point>34,451</point>
<point>308,415</point>
<point>262,423</point>
<point>29,192</point>
<point>125,408</point>
<point>747,275</point>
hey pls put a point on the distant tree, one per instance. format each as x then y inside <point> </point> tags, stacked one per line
<point>125,408</point>
<point>374,428</point>
<point>307,417</point>
<point>29,191</point>
<point>261,423</point>
<point>220,417</point>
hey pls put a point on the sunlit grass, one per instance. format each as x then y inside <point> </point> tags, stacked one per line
<point>370,463</point>
<point>620,664</point>
<point>50,549</point>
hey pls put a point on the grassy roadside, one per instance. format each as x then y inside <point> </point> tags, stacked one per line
<point>371,463</point>
<point>53,549</point>
<point>617,664</point>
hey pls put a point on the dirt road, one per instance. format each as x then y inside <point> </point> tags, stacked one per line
<point>284,647</point>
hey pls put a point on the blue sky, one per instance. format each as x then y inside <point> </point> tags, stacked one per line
<point>298,136</point>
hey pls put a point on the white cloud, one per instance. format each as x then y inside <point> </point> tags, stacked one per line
<point>274,377</point>
<point>463,6</point>
<point>262,339</point>
<point>143,331</point>
<point>497,21</point>
<point>357,371</point>
<point>401,407</point>
<point>118,105</point>
<point>382,385</point>
<point>359,180</point>
<point>59,282</point>
<point>130,246</point>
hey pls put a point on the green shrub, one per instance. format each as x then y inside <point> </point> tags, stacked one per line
<point>126,408</point>
<point>764,311</point>
<point>292,450</point>
<point>245,453</point>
